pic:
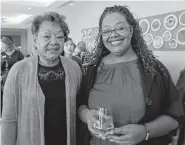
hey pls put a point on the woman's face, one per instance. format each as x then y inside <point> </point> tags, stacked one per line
<point>77,50</point>
<point>116,33</point>
<point>69,47</point>
<point>5,47</point>
<point>82,46</point>
<point>49,41</point>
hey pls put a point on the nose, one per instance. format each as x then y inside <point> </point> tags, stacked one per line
<point>53,40</point>
<point>113,34</point>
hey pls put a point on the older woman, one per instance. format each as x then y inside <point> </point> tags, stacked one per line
<point>40,91</point>
<point>137,87</point>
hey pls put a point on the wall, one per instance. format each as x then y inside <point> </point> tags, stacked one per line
<point>20,32</point>
<point>174,61</point>
<point>30,41</point>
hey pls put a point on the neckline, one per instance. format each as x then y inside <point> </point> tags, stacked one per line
<point>10,55</point>
<point>123,62</point>
<point>50,67</point>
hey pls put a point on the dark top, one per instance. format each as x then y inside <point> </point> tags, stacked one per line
<point>160,94</point>
<point>181,89</point>
<point>52,82</point>
<point>12,59</point>
<point>119,86</point>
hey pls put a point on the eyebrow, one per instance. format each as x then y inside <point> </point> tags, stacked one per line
<point>49,31</point>
<point>108,26</point>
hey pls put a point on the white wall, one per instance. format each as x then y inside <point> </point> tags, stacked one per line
<point>173,60</point>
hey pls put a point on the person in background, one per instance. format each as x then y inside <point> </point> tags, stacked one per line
<point>127,77</point>
<point>9,56</point>
<point>9,53</point>
<point>39,106</point>
<point>77,52</point>
<point>69,48</point>
<point>181,88</point>
<point>82,47</point>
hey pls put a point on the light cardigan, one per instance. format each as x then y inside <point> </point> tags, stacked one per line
<point>23,108</point>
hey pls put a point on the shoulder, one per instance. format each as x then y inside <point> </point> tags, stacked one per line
<point>77,60</point>
<point>71,64</point>
<point>182,71</point>
<point>161,68</point>
<point>17,52</point>
<point>19,66</point>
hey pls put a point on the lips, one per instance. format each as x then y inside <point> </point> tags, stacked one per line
<point>55,49</point>
<point>116,42</point>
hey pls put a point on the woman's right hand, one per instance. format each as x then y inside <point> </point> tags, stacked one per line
<point>91,119</point>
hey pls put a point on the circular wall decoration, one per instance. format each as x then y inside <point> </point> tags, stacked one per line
<point>167,35</point>
<point>182,18</point>
<point>156,25</point>
<point>148,38</point>
<point>181,36</point>
<point>89,33</point>
<point>170,22</point>
<point>173,43</point>
<point>95,32</point>
<point>158,42</point>
<point>83,33</point>
<point>145,26</point>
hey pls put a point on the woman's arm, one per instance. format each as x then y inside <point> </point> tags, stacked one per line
<point>161,126</point>
<point>9,114</point>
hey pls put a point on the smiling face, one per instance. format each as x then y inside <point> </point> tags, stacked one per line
<point>69,47</point>
<point>116,33</point>
<point>49,40</point>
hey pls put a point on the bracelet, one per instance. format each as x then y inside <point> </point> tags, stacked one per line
<point>82,115</point>
<point>147,132</point>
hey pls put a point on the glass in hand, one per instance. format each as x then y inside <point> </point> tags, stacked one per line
<point>105,121</point>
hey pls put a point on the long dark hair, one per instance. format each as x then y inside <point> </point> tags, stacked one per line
<point>145,56</point>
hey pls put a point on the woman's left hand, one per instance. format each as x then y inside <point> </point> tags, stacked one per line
<point>130,134</point>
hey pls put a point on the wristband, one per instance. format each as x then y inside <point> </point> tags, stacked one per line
<point>147,132</point>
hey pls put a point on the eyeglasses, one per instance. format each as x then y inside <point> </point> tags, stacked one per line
<point>118,30</point>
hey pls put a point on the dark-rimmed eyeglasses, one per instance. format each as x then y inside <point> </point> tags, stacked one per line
<point>119,30</point>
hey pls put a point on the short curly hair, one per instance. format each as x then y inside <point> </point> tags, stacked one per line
<point>52,17</point>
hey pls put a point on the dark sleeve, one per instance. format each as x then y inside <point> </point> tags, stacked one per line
<point>181,82</point>
<point>82,133</point>
<point>82,98</point>
<point>172,103</point>
<point>21,56</point>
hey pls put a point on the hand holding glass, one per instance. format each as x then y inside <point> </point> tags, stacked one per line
<point>105,121</point>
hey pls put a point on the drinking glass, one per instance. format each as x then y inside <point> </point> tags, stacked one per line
<point>105,121</point>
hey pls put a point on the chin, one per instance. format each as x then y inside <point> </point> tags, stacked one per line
<point>52,57</point>
<point>119,53</point>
